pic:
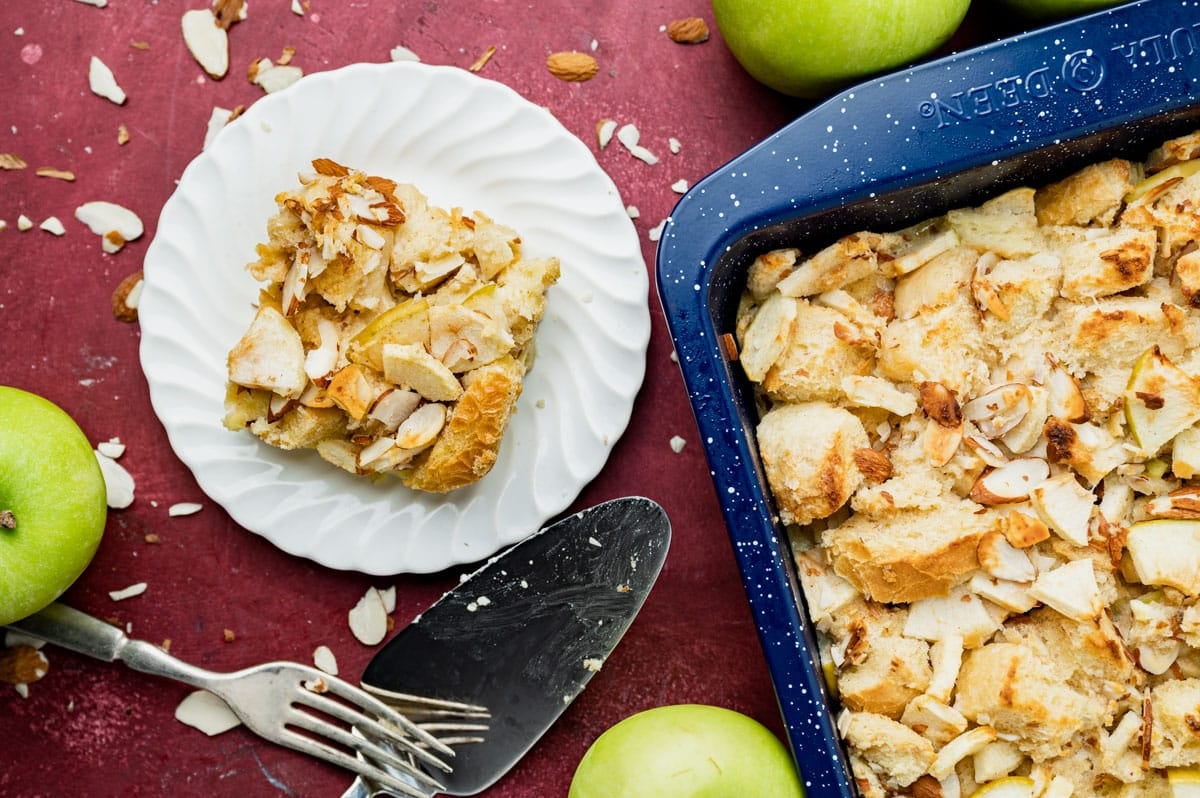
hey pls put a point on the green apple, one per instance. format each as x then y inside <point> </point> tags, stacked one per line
<point>52,503</point>
<point>1161,401</point>
<point>1056,9</point>
<point>1007,787</point>
<point>687,751</point>
<point>808,48</point>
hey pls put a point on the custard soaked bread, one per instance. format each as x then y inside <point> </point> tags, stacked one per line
<point>391,336</point>
<point>983,433</point>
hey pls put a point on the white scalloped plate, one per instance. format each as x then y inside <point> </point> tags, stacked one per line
<point>464,141</point>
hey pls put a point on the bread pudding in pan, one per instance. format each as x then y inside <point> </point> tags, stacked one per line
<point>983,435</point>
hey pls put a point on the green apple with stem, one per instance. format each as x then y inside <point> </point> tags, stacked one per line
<point>809,48</point>
<point>687,751</point>
<point>52,503</point>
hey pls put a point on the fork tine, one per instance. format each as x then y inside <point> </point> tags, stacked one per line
<point>354,695</point>
<point>383,730</point>
<point>416,704</point>
<point>379,754</point>
<point>361,767</point>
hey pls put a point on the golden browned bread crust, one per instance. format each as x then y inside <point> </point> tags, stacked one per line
<point>469,444</point>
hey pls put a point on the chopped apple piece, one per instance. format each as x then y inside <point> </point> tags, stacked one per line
<point>767,336</point>
<point>406,322</point>
<point>1065,506</point>
<point>1161,401</point>
<point>269,356</point>
<point>960,614</point>
<point>1009,596</point>
<point>1167,553</point>
<point>1001,559</point>
<point>1185,453</point>
<point>1071,590</point>
<point>1185,782</point>
<point>411,365</point>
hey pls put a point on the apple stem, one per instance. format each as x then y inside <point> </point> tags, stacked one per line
<point>7,519</point>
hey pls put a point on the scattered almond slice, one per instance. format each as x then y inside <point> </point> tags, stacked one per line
<point>111,448</point>
<point>402,53</point>
<point>680,186</point>
<point>132,591</point>
<point>103,83</point>
<point>216,123</point>
<point>655,233</point>
<point>122,134</point>
<point>297,8</point>
<point>184,508</point>
<point>24,223</point>
<point>56,174</point>
<point>480,62</point>
<point>117,482</point>
<point>113,223</point>
<point>677,443</point>
<point>368,619</point>
<point>324,660</point>
<point>629,136</point>
<point>204,711</point>
<point>52,224</point>
<point>275,77</point>
<point>11,161</point>
<point>126,297</point>
<point>207,41</point>
<point>604,132</point>
<point>96,3</point>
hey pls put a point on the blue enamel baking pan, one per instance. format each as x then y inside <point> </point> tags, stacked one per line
<point>886,154</point>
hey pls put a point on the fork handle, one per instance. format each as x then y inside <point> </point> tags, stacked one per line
<point>71,629</point>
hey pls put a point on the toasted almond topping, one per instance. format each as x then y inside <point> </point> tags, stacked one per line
<point>480,62</point>
<point>940,404</point>
<point>57,174</point>
<point>1011,482</point>
<point>572,66</point>
<point>691,30</point>
<point>875,466</point>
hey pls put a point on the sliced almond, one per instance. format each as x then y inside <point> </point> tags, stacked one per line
<point>604,132</point>
<point>394,406</point>
<point>1066,399</point>
<point>421,428</point>
<point>106,218</point>
<point>204,711</point>
<point>940,404</point>
<point>940,443</point>
<point>324,659</point>
<point>118,483</point>
<point>1183,504</point>
<point>1011,483</point>
<point>207,41</point>
<point>103,83</point>
<point>1000,409</point>
<point>368,619</point>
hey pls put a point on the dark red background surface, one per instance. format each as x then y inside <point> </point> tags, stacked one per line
<point>94,729</point>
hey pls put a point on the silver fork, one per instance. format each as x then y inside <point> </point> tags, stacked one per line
<point>282,702</point>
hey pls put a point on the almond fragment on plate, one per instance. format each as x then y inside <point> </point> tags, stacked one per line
<point>103,83</point>
<point>571,66</point>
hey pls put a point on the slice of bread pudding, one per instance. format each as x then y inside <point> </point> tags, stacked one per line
<point>391,336</point>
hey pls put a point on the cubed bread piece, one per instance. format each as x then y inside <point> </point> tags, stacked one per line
<point>1093,195</point>
<point>894,672</point>
<point>768,269</point>
<point>845,261</point>
<point>911,555</point>
<point>1104,338</point>
<point>1098,263</point>
<point>1018,692</point>
<point>896,753</point>
<point>1170,206</point>
<point>1175,724</point>
<point>1172,151</point>
<point>1022,290</point>
<point>301,427</point>
<point>935,284</point>
<point>522,289</point>
<point>767,335</point>
<point>808,454</point>
<point>943,346</point>
<point>816,357</point>
<point>1005,225</point>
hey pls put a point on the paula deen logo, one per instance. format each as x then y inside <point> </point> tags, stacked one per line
<point>1081,71</point>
